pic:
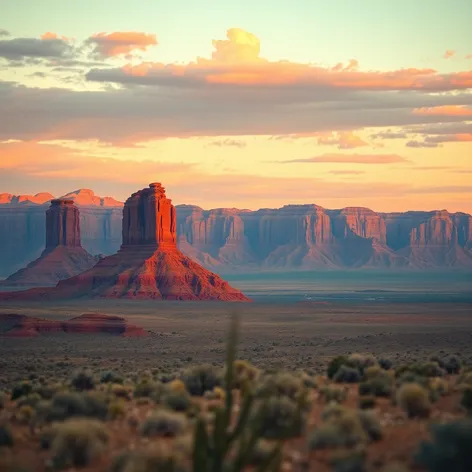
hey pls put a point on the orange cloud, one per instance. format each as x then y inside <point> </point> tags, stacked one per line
<point>342,139</point>
<point>239,47</point>
<point>236,61</point>
<point>55,161</point>
<point>446,110</point>
<point>48,36</point>
<point>121,42</point>
<point>449,53</point>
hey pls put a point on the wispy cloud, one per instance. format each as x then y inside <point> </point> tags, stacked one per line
<point>350,158</point>
<point>228,142</point>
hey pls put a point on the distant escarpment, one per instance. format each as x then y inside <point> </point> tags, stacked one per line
<point>148,266</point>
<point>22,326</point>
<point>63,256</point>
<point>289,238</point>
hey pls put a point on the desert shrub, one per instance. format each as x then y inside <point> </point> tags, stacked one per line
<point>244,372</point>
<point>373,371</point>
<point>439,386</point>
<point>349,461</point>
<point>430,369</point>
<point>177,400</point>
<point>367,402</point>
<point>200,378</point>
<point>280,384</point>
<point>46,392</point>
<point>380,386</point>
<point>121,391</point>
<point>177,385</point>
<point>347,374</point>
<point>333,394</point>
<point>83,380</point>
<point>345,431</point>
<point>30,400</point>
<point>280,417</point>
<point>345,427</point>
<point>76,442</point>
<point>111,377</point>
<point>163,423</point>
<point>414,400</point>
<point>21,389</point>
<point>147,388</point>
<point>452,365</point>
<point>371,424</point>
<point>263,450</point>
<point>68,405</point>
<point>466,400</point>
<point>116,410</point>
<point>335,364</point>
<point>6,438</point>
<point>158,458</point>
<point>361,361</point>
<point>25,414</point>
<point>450,448</point>
<point>385,364</point>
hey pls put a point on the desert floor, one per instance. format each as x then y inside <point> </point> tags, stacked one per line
<point>300,335</point>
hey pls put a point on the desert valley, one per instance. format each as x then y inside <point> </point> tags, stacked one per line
<point>235,236</point>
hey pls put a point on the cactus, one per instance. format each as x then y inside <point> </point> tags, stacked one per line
<point>212,449</point>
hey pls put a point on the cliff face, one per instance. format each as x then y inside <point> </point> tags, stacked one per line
<point>63,256</point>
<point>23,226</point>
<point>292,237</point>
<point>148,266</point>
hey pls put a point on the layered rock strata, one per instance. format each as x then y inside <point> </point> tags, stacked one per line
<point>63,256</point>
<point>148,266</point>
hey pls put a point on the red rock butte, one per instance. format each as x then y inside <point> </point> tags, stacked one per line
<point>148,265</point>
<point>63,256</point>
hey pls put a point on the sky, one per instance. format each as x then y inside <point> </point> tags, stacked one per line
<point>240,104</point>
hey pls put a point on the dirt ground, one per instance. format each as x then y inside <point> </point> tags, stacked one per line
<point>283,336</point>
<point>297,336</point>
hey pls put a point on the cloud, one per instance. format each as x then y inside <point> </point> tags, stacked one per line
<point>351,158</point>
<point>449,53</point>
<point>60,162</point>
<point>240,46</point>
<point>445,110</point>
<point>421,144</point>
<point>343,140</point>
<point>389,135</point>
<point>21,48</point>
<point>450,138</point>
<point>233,92</point>
<point>120,43</point>
<point>229,142</point>
<point>4,32</point>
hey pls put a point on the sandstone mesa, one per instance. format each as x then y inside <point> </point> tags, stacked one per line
<point>294,237</point>
<point>148,265</point>
<point>63,256</point>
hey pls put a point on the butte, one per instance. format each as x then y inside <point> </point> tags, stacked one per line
<point>63,256</point>
<point>148,266</point>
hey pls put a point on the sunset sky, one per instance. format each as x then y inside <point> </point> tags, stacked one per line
<point>244,104</point>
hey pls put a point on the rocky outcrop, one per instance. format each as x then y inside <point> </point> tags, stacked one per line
<point>289,238</point>
<point>148,266</point>
<point>15,325</point>
<point>63,256</point>
<point>23,226</point>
